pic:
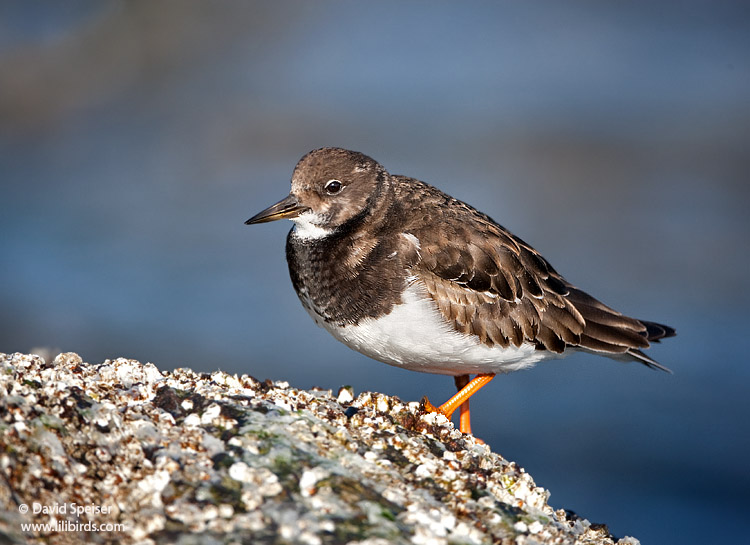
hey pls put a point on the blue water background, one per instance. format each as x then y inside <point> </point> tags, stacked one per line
<point>136,138</point>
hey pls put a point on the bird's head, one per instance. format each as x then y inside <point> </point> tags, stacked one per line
<point>330,186</point>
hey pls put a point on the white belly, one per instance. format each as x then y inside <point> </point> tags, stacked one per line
<point>415,336</point>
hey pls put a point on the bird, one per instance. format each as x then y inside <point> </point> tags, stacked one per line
<point>404,273</point>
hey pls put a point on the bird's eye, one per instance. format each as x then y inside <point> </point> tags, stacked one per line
<point>333,186</point>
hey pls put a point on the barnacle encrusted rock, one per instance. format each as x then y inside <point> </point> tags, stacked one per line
<point>121,452</point>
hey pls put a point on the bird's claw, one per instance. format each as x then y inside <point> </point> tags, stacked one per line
<point>428,407</point>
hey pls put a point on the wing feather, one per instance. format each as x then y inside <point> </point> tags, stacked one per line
<point>488,283</point>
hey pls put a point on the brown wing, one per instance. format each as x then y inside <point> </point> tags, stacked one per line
<point>491,284</point>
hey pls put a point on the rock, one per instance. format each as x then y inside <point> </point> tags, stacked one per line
<point>122,452</point>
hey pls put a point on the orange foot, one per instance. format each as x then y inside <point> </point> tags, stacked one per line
<point>466,389</point>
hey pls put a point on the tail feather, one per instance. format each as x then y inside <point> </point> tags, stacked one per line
<point>655,332</point>
<point>649,362</point>
<point>610,333</point>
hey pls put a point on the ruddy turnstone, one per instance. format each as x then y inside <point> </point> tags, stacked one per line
<point>405,274</point>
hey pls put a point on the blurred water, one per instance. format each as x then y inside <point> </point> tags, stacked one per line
<point>135,139</point>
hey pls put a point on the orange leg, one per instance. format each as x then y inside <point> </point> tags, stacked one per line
<point>465,416</point>
<point>464,419</point>
<point>467,388</point>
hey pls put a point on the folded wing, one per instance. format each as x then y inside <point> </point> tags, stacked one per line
<point>489,283</point>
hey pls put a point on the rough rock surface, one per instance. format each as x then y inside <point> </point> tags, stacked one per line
<point>181,457</point>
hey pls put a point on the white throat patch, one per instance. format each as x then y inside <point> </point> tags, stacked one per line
<point>307,227</point>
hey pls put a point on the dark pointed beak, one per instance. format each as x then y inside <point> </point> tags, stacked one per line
<point>286,208</point>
